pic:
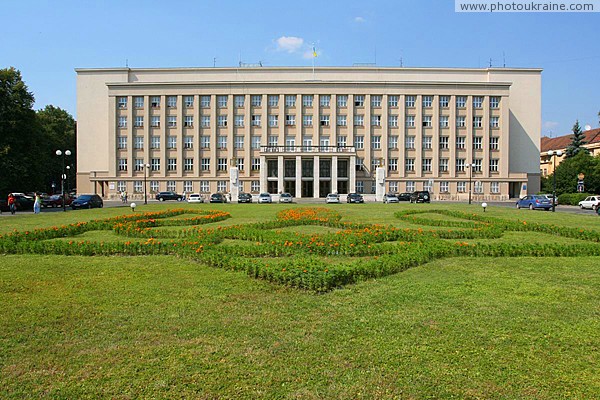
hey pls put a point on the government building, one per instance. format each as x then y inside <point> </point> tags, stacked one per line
<point>309,132</point>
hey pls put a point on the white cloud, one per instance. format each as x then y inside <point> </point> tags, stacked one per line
<point>290,44</point>
<point>359,20</point>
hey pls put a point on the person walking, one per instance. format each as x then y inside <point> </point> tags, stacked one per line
<point>37,205</point>
<point>12,203</point>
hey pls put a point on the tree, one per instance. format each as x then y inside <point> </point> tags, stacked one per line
<point>577,142</point>
<point>567,171</point>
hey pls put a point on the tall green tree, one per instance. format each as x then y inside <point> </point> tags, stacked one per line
<point>567,171</point>
<point>577,142</point>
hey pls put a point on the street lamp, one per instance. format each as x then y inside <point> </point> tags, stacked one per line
<point>554,153</point>
<point>64,175</point>
<point>470,166</point>
<point>145,166</point>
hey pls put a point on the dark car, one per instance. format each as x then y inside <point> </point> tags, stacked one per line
<point>22,201</point>
<point>420,197</point>
<point>355,198</point>
<point>245,198</point>
<point>404,197</point>
<point>162,196</point>
<point>87,201</point>
<point>218,198</point>
<point>55,200</point>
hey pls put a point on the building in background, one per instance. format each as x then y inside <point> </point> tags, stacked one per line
<point>289,129</point>
<point>592,143</point>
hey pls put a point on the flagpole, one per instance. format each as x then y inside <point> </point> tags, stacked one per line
<point>313,61</point>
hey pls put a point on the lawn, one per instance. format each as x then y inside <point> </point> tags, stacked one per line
<point>174,327</point>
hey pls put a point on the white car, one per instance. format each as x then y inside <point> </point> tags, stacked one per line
<point>265,198</point>
<point>332,198</point>
<point>592,202</point>
<point>286,198</point>
<point>390,198</point>
<point>195,198</point>
<point>549,197</point>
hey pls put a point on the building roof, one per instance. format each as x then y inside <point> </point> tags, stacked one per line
<point>562,142</point>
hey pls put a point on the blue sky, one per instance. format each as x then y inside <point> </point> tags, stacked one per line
<point>46,40</point>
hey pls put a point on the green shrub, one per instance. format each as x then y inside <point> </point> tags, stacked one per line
<point>572,199</point>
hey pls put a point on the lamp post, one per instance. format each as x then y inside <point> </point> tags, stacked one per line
<point>554,153</point>
<point>63,175</point>
<point>145,166</point>
<point>470,166</point>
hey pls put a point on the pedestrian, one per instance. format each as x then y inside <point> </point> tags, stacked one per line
<point>37,205</point>
<point>125,196</point>
<point>12,203</point>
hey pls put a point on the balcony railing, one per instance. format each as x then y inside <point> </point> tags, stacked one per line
<point>308,149</point>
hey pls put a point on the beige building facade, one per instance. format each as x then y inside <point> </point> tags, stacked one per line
<point>308,133</point>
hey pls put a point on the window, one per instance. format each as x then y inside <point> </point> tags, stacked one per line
<point>122,163</point>
<point>138,186</point>
<point>256,142</point>
<point>273,140</point>
<point>494,143</point>
<point>204,101</point>
<point>494,165</point>
<point>409,142</point>
<point>121,186</point>
<point>444,142</point>
<point>359,100</point>
<point>188,164</point>
<point>428,186</point>
<point>122,142</point>
<point>341,141</point>
<point>171,142</point>
<point>444,121</point>
<point>221,101</point>
<point>255,186</point>
<point>342,100</point>
<point>307,120</point>
<point>444,101</point>
<point>205,121</point>
<point>290,120</point>
<point>427,121</point>
<point>221,186</point>
<point>359,142</point>
<point>375,120</point>
<point>461,101</point>
<point>360,186</point>
<point>494,103</point>
<point>155,164</point>
<point>410,101</point>
<point>460,142</point>
<point>494,122</point>
<point>255,164</point>
<point>221,142</point>
<point>478,162</point>
<point>155,101</point>
<point>204,186</point>
<point>443,165</point>
<point>477,101</point>
<point>324,120</point>
<point>460,165</point>
<point>393,164</point>
<point>122,122</point>
<point>290,143</point>
<point>238,120</point>
<point>376,101</point>
<point>138,102</point>
<point>495,187</point>
<point>205,164</point>
<point>341,120</point>
<point>155,142</point>
<point>273,120</point>
<point>255,119</point>
<point>188,121</point>
<point>324,100</point>
<point>204,142</point>
<point>239,163</point>
<point>359,163</point>
<point>138,142</point>
<point>154,186</point>
<point>409,165</point>
<point>155,121</point>
<point>324,144</point>
<point>138,122</point>
<point>122,102</point>
<point>426,165</point>
<point>256,100</point>
<point>171,186</point>
<point>478,187</point>
<point>444,187</point>
<point>392,142</point>
<point>427,101</point>
<point>477,122</point>
<point>410,121</point>
<point>461,121</point>
<point>359,120</point>
<point>306,143</point>
<point>427,142</point>
<point>188,186</point>
<point>171,101</point>
<point>188,101</point>
<point>239,142</point>
<point>188,142</point>
<point>477,142</point>
<point>273,100</point>
<point>376,142</point>
<point>394,187</point>
<point>172,121</point>
<point>410,186</point>
<point>221,120</point>
<point>307,100</point>
<point>238,101</point>
<point>393,101</point>
<point>393,121</point>
<point>171,164</point>
<point>222,164</point>
<point>461,187</point>
<point>290,101</point>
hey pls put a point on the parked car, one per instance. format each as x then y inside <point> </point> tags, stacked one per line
<point>404,197</point>
<point>56,200</point>
<point>550,196</point>
<point>218,198</point>
<point>420,197</point>
<point>286,198</point>
<point>390,198</point>
<point>162,196</point>
<point>23,201</point>
<point>265,198</point>
<point>534,201</point>
<point>332,198</point>
<point>245,198</point>
<point>355,198</point>
<point>592,202</point>
<point>87,201</point>
<point>195,198</point>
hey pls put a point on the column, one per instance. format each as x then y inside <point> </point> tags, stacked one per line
<point>352,182</point>
<point>334,174</point>
<point>263,174</point>
<point>298,176</point>
<point>280,186</point>
<point>316,177</point>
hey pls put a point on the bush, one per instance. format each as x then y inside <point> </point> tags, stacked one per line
<point>572,199</point>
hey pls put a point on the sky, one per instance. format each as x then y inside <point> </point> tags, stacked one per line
<point>47,40</point>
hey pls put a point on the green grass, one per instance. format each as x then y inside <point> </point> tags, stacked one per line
<point>165,327</point>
